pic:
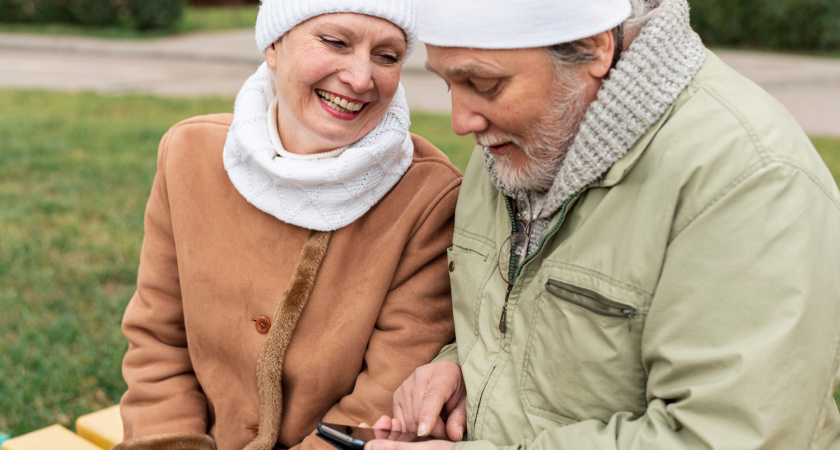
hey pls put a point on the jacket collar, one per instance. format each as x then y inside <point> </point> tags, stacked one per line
<point>640,90</point>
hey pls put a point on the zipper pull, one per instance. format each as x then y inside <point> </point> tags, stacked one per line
<point>629,313</point>
<point>502,322</point>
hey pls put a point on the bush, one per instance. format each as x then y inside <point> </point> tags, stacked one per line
<point>155,14</point>
<point>95,13</point>
<point>222,2</point>
<point>770,24</point>
<point>51,11</point>
<point>13,11</point>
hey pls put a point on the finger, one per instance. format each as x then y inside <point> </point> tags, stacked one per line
<point>457,421</point>
<point>381,444</point>
<point>403,403</point>
<point>384,423</point>
<point>396,425</point>
<point>431,406</point>
<point>439,430</point>
<point>394,435</point>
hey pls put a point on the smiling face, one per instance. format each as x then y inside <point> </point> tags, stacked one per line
<point>336,75</point>
<point>516,105</point>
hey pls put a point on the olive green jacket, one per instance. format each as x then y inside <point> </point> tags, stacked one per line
<point>690,298</point>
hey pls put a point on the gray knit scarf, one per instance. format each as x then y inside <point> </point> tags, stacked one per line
<point>650,75</point>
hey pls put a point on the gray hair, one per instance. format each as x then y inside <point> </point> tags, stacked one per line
<point>577,53</point>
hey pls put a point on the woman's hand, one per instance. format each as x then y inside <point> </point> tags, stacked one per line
<point>387,432</point>
<point>381,444</point>
<point>432,393</point>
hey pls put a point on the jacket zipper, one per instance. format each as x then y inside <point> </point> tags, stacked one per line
<point>514,271</point>
<point>591,301</point>
<point>481,397</point>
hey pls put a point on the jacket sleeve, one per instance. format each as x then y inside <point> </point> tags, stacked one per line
<point>741,341</point>
<point>414,323</point>
<point>448,353</point>
<point>163,395</point>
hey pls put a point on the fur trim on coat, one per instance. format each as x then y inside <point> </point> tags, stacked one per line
<point>270,364</point>
<point>173,441</point>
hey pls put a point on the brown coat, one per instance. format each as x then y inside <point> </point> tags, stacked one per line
<point>213,269</point>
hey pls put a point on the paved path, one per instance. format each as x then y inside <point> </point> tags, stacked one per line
<point>218,63</point>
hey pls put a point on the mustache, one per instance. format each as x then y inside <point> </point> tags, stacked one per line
<point>488,139</point>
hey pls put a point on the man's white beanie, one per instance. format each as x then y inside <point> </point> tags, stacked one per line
<point>506,24</point>
<point>277,17</point>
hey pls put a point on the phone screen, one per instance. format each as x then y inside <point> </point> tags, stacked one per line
<point>355,437</point>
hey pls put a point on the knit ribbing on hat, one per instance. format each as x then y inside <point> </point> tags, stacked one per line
<point>650,75</point>
<point>277,17</point>
<point>324,194</point>
<point>506,24</point>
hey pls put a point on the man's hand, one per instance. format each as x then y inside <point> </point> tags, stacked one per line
<point>433,393</point>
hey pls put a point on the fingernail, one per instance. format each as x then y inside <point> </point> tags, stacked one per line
<point>461,432</point>
<point>421,430</point>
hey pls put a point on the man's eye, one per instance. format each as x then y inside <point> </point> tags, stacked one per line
<point>487,88</point>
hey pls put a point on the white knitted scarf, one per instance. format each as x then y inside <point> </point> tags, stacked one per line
<point>650,75</point>
<point>323,194</point>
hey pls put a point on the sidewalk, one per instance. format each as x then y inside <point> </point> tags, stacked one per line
<point>218,63</point>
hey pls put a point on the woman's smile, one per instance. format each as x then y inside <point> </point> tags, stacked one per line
<point>338,106</point>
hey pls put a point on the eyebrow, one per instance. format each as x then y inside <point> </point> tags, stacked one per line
<point>470,70</point>
<point>351,33</point>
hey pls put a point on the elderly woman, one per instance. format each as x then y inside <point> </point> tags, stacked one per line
<point>293,268</point>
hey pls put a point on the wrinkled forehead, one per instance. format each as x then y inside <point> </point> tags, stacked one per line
<point>462,62</point>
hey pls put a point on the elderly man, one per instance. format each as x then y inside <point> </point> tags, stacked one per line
<point>647,246</point>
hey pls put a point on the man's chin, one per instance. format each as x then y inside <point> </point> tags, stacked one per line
<point>524,177</point>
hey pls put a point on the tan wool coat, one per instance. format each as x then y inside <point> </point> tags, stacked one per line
<point>214,280</point>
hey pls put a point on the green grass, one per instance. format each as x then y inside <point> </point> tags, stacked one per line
<point>829,149</point>
<point>75,173</point>
<point>210,18</point>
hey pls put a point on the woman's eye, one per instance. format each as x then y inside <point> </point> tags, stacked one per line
<point>332,41</point>
<point>389,58</point>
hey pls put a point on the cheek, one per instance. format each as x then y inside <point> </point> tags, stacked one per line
<point>387,81</point>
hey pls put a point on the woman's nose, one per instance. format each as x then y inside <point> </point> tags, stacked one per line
<point>358,73</point>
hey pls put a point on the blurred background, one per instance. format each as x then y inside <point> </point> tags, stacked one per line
<point>87,89</point>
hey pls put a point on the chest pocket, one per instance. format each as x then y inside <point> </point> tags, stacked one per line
<point>583,353</point>
<point>469,271</point>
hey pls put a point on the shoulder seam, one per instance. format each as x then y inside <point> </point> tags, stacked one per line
<point>743,176</point>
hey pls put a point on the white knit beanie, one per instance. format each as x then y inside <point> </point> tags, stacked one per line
<point>276,17</point>
<point>506,24</point>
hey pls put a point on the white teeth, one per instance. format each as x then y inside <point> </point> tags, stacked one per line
<point>337,103</point>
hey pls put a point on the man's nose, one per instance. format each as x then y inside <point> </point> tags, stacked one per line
<point>466,116</point>
<point>358,73</point>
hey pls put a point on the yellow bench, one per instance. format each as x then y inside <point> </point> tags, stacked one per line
<point>51,437</point>
<point>95,431</point>
<point>104,428</point>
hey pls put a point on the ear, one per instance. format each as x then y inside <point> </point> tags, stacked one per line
<point>271,56</point>
<point>603,46</point>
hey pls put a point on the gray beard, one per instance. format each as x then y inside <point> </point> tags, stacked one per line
<point>544,145</point>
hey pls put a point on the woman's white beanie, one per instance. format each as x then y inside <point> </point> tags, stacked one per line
<point>505,24</point>
<point>276,17</point>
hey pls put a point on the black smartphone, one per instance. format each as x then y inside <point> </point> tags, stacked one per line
<point>346,437</point>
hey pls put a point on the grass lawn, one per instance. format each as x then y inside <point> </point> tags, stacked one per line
<point>75,172</point>
<point>209,18</point>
